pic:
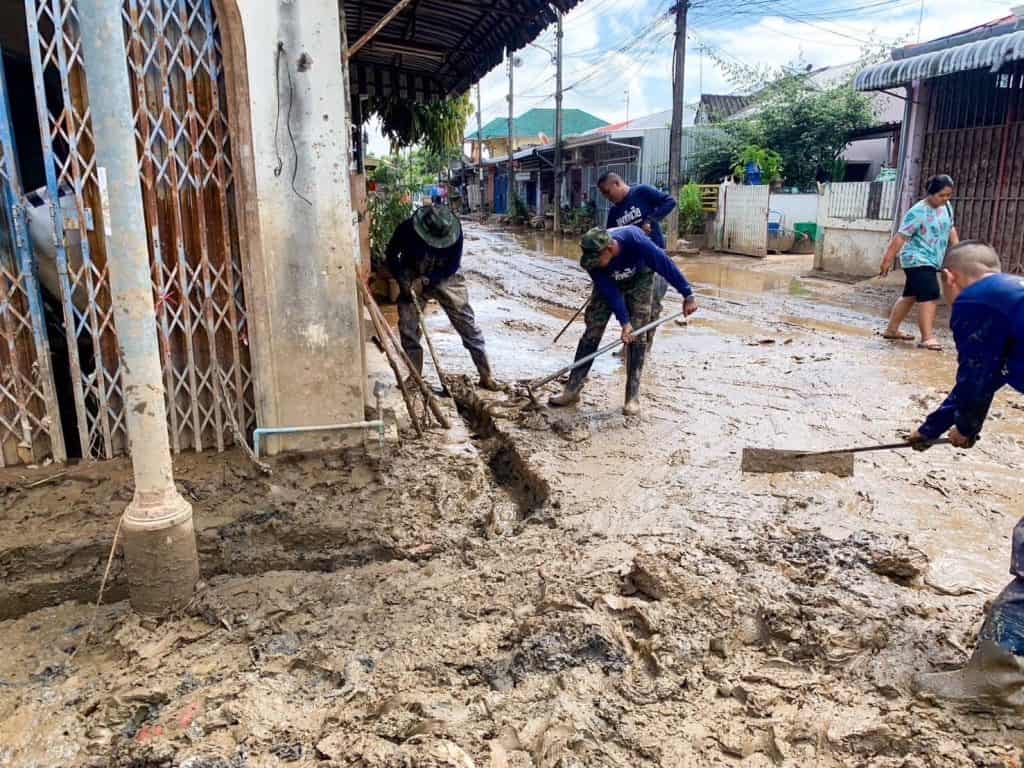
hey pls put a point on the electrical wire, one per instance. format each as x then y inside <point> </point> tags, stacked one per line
<point>287,122</point>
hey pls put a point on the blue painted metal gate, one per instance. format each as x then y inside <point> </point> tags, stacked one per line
<point>501,193</point>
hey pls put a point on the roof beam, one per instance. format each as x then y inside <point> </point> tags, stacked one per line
<point>372,31</point>
<point>489,7</point>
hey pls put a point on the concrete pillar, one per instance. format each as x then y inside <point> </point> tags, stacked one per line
<point>159,541</point>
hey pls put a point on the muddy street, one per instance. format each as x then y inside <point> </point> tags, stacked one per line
<point>551,588</point>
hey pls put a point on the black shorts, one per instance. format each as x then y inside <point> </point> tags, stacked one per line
<point>922,284</point>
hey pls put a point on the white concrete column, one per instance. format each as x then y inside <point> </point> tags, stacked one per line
<point>159,541</point>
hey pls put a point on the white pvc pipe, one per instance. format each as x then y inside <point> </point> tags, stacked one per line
<point>377,424</point>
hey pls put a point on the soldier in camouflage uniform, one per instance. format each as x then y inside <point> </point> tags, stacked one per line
<point>622,262</point>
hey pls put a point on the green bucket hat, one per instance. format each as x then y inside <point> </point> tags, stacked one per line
<point>592,243</point>
<point>437,226</point>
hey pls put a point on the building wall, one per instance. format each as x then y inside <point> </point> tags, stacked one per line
<point>795,208</point>
<point>301,253</point>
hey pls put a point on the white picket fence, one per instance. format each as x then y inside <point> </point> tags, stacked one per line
<point>861,200</point>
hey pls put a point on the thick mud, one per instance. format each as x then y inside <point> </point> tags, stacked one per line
<point>544,588</point>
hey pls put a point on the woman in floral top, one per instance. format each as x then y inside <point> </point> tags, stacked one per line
<point>921,242</point>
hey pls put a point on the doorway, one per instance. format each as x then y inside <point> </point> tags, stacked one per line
<point>61,270</point>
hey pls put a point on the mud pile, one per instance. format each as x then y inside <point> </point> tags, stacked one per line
<point>448,643</point>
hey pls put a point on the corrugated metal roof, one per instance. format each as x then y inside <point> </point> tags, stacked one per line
<point>718,106</point>
<point>534,122</point>
<point>434,49</point>
<point>991,53</point>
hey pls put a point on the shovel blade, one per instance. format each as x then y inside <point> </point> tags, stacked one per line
<point>770,461</point>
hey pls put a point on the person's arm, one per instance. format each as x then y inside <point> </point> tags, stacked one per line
<point>662,203</point>
<point>889,258</point>
<point>658,260</point>
<point>954,237</point>
<point>908,227</point>
<point>610,221</point>
<point>450,265</point>
<point>611,294</point>
<point>981,339</point>
<point>394,254</point>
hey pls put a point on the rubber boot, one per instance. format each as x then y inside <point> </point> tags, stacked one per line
<point>634,368</point>
<point>417,363</point>
<point>487,380</point>
<point>569,396</point>
<point>993,677</point>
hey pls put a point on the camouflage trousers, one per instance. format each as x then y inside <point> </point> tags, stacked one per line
<point>640,294</point>
<point>453,296</point>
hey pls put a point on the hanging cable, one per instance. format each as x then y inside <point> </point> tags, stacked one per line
<point>287,123</point>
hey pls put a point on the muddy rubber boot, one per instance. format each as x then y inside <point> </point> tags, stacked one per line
<point>569,396</point>
<point>993,677</point>
<point>488,382</point>
<point>634,368</point>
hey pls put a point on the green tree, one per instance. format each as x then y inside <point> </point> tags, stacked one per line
<point>805,122</point>
<point>398,177</point>
<point>437,127</point>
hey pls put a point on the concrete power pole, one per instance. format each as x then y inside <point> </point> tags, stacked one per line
<point>479,147</point>
<point>675,142</point>
<point>159,540</point>
<point>511,152</point>
<point>558,126</point>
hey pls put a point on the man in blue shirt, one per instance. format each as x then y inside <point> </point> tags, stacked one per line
<point>622,263</point>
<point>424,256</point>
<point>642,206</point>
<point>988,326</point>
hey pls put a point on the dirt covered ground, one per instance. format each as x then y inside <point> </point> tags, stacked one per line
<point>551,589</point>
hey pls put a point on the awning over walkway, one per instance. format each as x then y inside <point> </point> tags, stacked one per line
<point>991,53</point>
<point>438,48</point>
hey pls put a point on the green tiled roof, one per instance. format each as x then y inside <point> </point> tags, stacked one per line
<point>536,121</point>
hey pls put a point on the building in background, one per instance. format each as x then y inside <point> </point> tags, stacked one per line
<point>533,128</point>
<point>965,117</point>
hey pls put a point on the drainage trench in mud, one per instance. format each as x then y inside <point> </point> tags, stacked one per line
<point>511,471</point>
<point>261,541</point>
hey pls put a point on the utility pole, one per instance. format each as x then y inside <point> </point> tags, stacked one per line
<point>558,126</point>
<point>627,105</point>
<point>511,99</point>
<point>479,147</point>
<point>159,540</point>
<point>675,142</point>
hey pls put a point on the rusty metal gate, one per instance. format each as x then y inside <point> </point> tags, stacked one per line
<point>975,133</point>
<point>190,203</point>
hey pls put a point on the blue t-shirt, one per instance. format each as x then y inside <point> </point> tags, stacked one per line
<point>643,204</point>
<point>637,254</point>
<point>988,325</point>
<point>928,229</point>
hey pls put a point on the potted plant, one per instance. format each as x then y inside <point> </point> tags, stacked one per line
<point>755,165</point>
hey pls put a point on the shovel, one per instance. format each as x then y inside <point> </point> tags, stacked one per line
<point>839,462</point>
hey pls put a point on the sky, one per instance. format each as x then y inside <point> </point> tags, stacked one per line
<point>615,47</point>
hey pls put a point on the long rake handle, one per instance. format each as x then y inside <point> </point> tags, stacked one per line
<point>607,348</point>
<point>571,320</point>
<point>867,448</point>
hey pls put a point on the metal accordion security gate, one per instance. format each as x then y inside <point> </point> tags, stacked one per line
<point>185,171</point>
